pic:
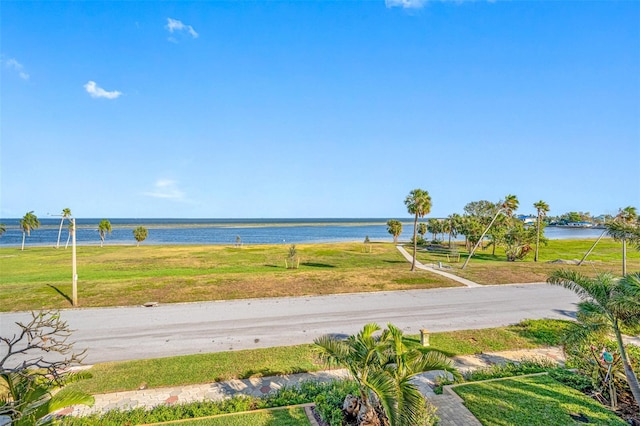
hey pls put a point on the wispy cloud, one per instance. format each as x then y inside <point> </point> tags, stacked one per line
<point>406,4</point>
<point>16,66</point>
<point>174,25</point>
<point>418,4</point>
<point>167,189</point>
<point>98,92</point>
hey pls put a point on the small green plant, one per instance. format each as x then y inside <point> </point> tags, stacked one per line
<point>292,261</point>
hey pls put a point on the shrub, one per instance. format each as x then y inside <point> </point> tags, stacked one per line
<point>572,379</point>
<point>497,371</point>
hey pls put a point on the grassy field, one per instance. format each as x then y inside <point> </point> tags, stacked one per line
<point>174,371</point>
<point>485,268</point>
<point>533,401</point>
<point>40,277</point>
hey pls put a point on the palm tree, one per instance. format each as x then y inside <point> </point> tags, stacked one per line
<point>30,399</point>
<point>382,366</point>
<point>394,227</point>
<point>3,229</point>
<point>66,213</point>
<point>140,234</point>
<point>507,206</point>
<point>543,209</point>
<point>418,203</point>
<point>624,227</point>
<point>27,223</point>
<point>422,229</point>
<point>104,227</point>
<point>607,303</point>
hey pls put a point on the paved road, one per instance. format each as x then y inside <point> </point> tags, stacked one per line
<point>112,334</point>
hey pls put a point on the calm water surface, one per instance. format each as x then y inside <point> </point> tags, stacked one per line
<point>226,231</point>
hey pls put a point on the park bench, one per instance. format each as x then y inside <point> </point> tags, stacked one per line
<point>452,254</point>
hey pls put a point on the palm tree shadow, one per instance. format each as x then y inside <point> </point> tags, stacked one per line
<point>61,293</point>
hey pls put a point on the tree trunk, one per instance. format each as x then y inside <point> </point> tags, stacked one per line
<point>415,243</point>
<point>68,238</point>
<point>23,235</point>
<point>480,240</point>
<point>535,258</point>
<point>624,258</point>
<point>592,247</point>
<point>632,380</point>
<point>59,233</point>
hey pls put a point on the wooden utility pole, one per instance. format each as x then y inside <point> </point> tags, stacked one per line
<point>74,270</point>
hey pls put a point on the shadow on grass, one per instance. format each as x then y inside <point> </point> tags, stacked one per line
<point>394,261</point>
<point>61,293</point>
<point>317,265</point>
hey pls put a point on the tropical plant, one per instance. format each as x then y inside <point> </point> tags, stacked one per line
<point>382,366</point>
<point>435,227</point>
<point>104,228</point>
<point>66,213</point>
<point>140,234</point>
<point>454,226</point>
<point>29,380</point>
<point>27,223</point>
<point>3,229</point>
<point>625,227</point>
<point>542,209</point>
<point>394,227</point>
<point>507,207</point>
<point>292,261</point>
<point>422,229</point>
<point>607,304</point>
<point>418,203</point>
<point>517,239</point>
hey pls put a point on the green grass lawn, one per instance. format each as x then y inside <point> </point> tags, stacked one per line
<point>485,268</point>
<point>40,277</point>
<point>293,416</point>
<point>532,401</point>
<point>174,371</point>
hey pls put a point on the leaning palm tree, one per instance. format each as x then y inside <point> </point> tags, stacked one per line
<point>382,366</point>
<point>104,228</point>
<point>607,304</point>
<point>625,226</point>
<point>3,228</point>
<point>507,207</point>
<point>418,203</point>
<point>27,223</point>
<point>543,209</point>
<point>66,213</point>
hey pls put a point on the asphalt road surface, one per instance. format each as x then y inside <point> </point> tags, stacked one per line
<point>124,333</point>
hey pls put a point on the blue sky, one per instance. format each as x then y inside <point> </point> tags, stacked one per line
<point>317,109</point>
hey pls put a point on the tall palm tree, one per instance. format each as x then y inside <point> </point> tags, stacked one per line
<point>507,207</point>
<point>623,227</point>
<point>543,209</point>
<point>607,303</point>
<point>382,365</point>
<point>66,213</point>
<point>27,223</point>
<point>418,203</point>
<point>104,227</point>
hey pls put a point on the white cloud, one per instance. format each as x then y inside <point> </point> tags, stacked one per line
<point>405,4</point>
<point>418,4</point>
<point>175,25</point>
<point>16,66</point>
<point>98,92</point>
<point>167,189</point>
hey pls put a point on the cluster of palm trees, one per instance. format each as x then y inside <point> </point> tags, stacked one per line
<point>30,222</point>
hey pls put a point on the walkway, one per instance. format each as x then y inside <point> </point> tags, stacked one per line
<point>438,271</point>
<point>450,408</point>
